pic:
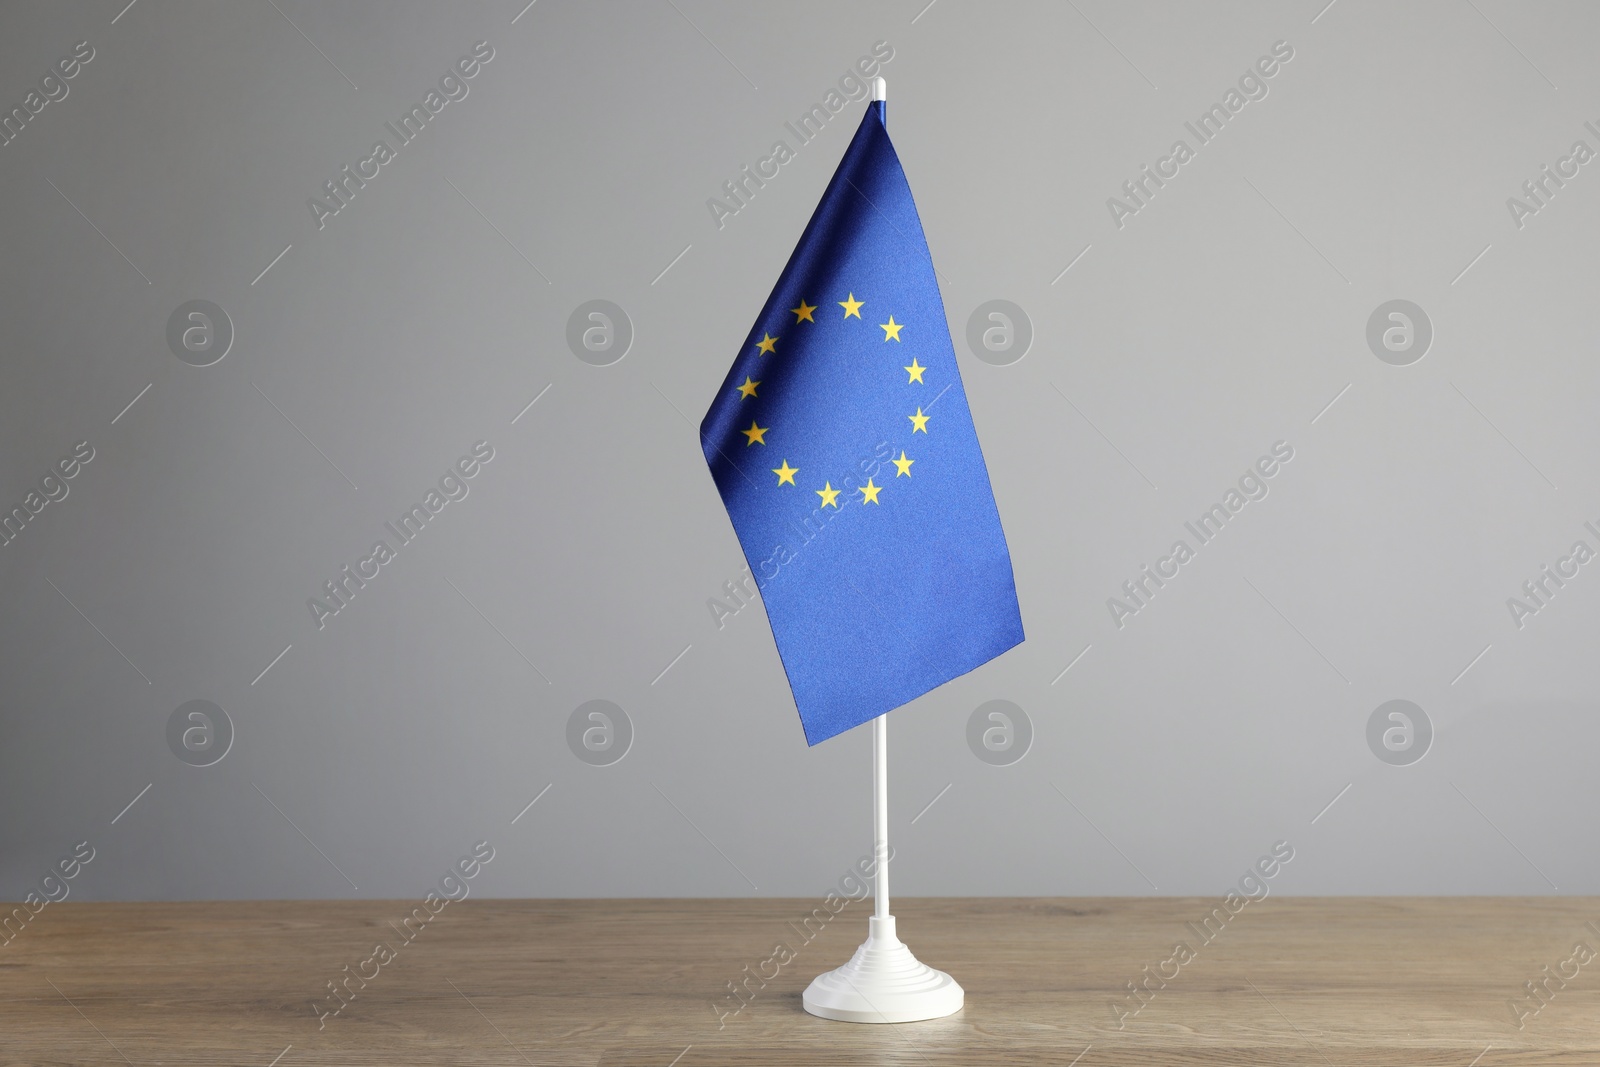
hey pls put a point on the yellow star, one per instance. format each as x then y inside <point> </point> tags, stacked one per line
<point>785,473</point>
<point>915,370</point>
<point>748,389</point>
<point>869,492</point>
<point>828,494</point>
<point>891,329</point>
<point>767,343</point>
<point>919,421</point>
<point>803,312</point>
<point>852,306</point>
<point>903,465</point>
<point>754,432</point>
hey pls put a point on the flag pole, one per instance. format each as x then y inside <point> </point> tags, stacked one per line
<point>880,741</point>
<point>880,814</point>
<point>883,982</point>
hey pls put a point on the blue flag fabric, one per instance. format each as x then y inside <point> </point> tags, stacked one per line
<point>845,453</point>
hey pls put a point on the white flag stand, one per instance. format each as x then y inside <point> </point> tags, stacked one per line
<point>883,982</point>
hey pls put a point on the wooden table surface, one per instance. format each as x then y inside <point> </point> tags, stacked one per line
<point>1325,981</point>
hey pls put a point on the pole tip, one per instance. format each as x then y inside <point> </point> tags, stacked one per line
<point>880,89</point>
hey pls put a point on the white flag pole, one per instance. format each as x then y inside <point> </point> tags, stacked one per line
<point>880,743</point>
<point>883,982</point>
<point>880,814</point>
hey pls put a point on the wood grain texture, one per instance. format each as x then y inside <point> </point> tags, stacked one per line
<point>1320,981</point>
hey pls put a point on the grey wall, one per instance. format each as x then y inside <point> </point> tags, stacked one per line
<point>1230,312</point>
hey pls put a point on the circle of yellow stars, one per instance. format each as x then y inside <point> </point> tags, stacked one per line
<point>756,434</point>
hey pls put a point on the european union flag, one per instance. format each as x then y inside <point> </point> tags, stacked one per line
<point>845,453</point>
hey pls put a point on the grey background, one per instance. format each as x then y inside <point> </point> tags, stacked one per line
<point>426,315</point>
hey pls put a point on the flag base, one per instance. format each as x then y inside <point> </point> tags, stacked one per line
<point>883,983</point>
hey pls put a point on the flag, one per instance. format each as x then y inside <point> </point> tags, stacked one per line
<point>845,454</point>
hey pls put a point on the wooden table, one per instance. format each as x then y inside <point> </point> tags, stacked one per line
<point>1323,981</point>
